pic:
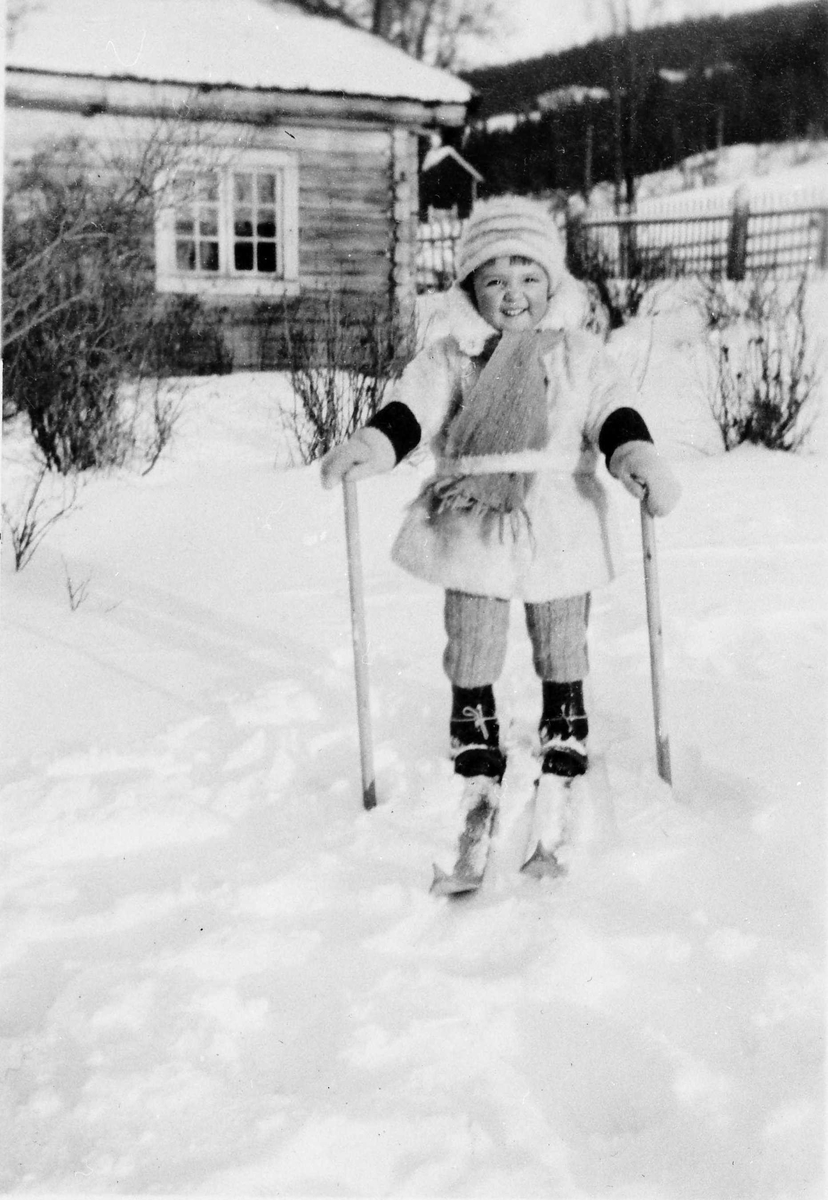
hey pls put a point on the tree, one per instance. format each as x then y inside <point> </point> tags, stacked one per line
<point>630,74</point>
<point>432,31</point>
<point>381,18</point>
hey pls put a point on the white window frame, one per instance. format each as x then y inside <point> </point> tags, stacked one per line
<point>228,281</point>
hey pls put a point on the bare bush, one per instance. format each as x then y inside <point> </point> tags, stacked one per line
<point>76,590</point>
<point>165,412</point>
<point>80,312</point>
<point>340,359</point>
<point>617,298</point>
<point>766,371</point>
<point>29,523</point>
<point>76,295</point>
<point>150,409</point>
<point>187,339</point>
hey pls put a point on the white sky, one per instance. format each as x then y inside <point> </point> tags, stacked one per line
<point>534,27</point>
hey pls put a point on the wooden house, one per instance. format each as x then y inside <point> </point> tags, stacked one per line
<point>293,139</point>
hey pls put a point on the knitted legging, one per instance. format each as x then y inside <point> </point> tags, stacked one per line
<point>477,628</point>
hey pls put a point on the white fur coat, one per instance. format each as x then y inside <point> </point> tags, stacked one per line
<point>566,547</point>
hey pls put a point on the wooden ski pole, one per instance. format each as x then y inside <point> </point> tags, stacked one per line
<point>656,643</point>
<point>360,641</point>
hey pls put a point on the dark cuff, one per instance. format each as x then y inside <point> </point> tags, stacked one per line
<point>622,425</point>
<point>399,425</point>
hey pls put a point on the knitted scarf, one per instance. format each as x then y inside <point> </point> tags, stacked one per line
<point>505,412</point>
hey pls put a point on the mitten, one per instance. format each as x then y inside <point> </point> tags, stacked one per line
<point>647,476</point>
<point>368,452</point>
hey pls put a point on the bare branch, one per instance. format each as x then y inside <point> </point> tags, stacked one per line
<point>29,526</point>
<point>10,336</point>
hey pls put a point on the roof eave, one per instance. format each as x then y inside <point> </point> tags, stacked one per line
<point>126,95</point>
<point>451,153</point>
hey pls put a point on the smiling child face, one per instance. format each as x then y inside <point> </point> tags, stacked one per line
<point>512,293</point>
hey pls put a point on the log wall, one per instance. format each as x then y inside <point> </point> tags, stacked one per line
<point>357,200</point>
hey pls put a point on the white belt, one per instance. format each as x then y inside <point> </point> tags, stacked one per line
<point>519,462</point>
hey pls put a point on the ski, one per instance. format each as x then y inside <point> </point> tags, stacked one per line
<point>481,796</point>
<point>551,827</point>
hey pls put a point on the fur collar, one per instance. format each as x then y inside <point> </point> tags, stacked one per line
<point>455,316</point>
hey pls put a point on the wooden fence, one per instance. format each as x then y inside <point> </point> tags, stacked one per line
<point>732,244</point>
<point>437,239</point>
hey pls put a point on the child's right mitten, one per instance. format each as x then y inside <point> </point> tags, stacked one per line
<point>368,452</point>
<point>647,476</point>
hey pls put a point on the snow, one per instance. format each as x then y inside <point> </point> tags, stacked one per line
<point>770,176</point>
<point>222,976</point>
<point>437,154</point>
<point>250,43</point>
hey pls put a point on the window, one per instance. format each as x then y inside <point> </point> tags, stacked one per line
<point>230,229</point>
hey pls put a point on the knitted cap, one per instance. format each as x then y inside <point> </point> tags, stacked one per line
<point>507,225</point>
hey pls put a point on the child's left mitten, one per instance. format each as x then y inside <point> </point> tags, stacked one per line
<point>647,476</point>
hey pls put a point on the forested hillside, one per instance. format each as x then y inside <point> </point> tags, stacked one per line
<point>670,91</point>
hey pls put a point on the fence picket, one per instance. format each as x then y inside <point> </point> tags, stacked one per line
<point>738,240</point>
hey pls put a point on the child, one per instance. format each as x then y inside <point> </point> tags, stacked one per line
<point>517,405</point>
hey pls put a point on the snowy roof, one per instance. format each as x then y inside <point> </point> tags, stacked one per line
<point>272,44</point>
<point>438,154</point>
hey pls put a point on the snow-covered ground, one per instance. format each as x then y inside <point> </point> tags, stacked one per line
<point>770,176</point>
<point>222,976</point>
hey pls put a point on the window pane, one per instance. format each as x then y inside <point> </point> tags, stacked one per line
<point>208,224</point>
<point>266,189</point>
<point>209,256</point>
<point>243,223</point>
<point>266,257</point>
<point>184,224</point>
<point>185,257</point>
<point>266,223</point>
<point>243,254</point>
<point>243,189</point>
<point>207,187</point>
<point>183,188</point>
